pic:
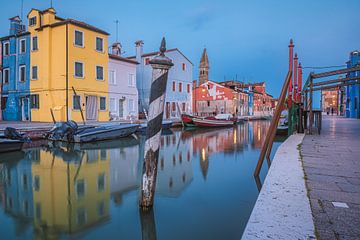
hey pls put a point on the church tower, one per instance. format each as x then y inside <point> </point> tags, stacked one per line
<point>204,68</point>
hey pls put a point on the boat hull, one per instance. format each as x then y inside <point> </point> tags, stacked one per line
<point>204,122</point>
<point>187,120</point>
<point>7,145</point>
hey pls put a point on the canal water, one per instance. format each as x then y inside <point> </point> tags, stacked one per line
<point>205,188</point>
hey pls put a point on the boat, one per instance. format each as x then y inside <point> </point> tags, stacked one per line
<point>10,145</point>
<point>105,133</point>
<point>220,120</point>
<point>166,124</point>
<point>187,120</point>
<point>282,128</point>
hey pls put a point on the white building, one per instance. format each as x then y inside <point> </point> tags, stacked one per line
<point>123,94</point>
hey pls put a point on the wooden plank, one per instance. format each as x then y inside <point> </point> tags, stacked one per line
<point>335,72</point>
<point>336,81</point>
<point>335,86</point>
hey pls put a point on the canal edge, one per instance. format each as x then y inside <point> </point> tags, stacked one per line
<point>282,210</point>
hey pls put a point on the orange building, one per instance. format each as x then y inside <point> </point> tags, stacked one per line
<point>330,101</point>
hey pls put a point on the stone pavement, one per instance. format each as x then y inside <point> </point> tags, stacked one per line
<point>331,164</point>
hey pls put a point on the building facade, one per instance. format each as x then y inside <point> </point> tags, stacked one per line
<point>67,55</point>
<point>178,90</point>
<point>262,100</point>
<point>123,94</point>
<point>353,92</point>
<point>15,65</point>
<point>330,101</point>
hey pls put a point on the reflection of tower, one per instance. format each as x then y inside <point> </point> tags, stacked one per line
<point>204,163</point>
<point>204,68</point>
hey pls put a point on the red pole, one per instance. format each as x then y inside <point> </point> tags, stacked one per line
<point>299,82</point>
<point>291,51</point>
<point>295,76</point>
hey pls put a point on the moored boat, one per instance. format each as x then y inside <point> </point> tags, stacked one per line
<point>220,120</point>
<point>187,120</point>
<point>9,145</point>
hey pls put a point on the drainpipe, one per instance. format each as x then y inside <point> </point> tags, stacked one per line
<point>67,73</point>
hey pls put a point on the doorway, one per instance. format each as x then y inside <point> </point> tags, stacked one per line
<point>167,110</point>
<point>121,108</point>
<point>91,108</point>
<point>25,109</point>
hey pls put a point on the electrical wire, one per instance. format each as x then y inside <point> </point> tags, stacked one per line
<point>325,67</point>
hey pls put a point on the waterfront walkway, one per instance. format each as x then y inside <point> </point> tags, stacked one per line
<point>331,164</point>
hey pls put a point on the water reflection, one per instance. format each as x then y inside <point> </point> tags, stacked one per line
<point>62,190</point>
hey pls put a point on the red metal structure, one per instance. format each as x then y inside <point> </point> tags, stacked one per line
<point>295,77</point>
<point>291,52</point>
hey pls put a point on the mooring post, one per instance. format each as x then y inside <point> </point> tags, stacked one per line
<point>161,65</point>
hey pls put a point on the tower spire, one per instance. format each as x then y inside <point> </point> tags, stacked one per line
<point>204,68</point>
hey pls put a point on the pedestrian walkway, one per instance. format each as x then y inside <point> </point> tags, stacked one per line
<point>331,163</point>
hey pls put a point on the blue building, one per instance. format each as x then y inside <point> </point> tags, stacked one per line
<point>15,94</point>
<point>353,92</point>
<point>179,85</point>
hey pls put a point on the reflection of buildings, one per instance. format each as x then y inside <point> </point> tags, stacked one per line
<point>124,171</point>
<point>70,196</point>
<point>17,193</point>
<point>174,168</point>
<point>259,130</point>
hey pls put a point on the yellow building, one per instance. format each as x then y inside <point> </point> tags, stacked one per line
<point>67,54</point>
<point>71,191</point>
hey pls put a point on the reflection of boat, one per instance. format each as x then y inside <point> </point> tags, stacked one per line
<point>12,156</point>
<point>9,145</point>
<point>220,120</point>
<point>187,120</point>
<point>105,132</point>
<point>111,144</point>
<point>166,124</point>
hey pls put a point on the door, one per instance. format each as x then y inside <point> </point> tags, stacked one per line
<point>91,108</point>
<point>167,110</point>
<point>121,108</point>
<point>25,109</point>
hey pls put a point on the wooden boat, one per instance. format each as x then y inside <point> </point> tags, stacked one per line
<point>187,120</point>
<point>9,145</point>
<point>105,132</point>
<point>166,124</point>
<point>221,120</point>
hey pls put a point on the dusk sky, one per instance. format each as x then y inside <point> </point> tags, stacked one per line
<point>247,39</point>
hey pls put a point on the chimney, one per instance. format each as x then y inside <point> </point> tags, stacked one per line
<point>116,49</point>
<point>139,50</point>
<point>16,26</point>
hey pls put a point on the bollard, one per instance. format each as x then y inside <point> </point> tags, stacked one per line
<point>161,65</point>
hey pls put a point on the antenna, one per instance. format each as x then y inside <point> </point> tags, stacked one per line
<point>22,9</point>
<point>51,3</point>
<point>117,30</point>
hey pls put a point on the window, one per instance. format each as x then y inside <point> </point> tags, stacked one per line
<point>22,73</point>
<point>79,69</point>
<point>80,188</point>
<point>102,103</point>
<point>6,49</point>
<point>188,88</point>
<point>38,211</point>
<point>184,67</point>
<point>79,38</point>
<point>99,73</point>
<point>34,72</point>
<point>131,106</point>
<point>180,87</point>
<point>208,103</point>
<point>35,43</point>
<point>25,182</point>
<point>174,86</point>
<point>37,183</point>
<point>99,44</point>
<point>101,208</point>
<point>101,182</point>
<point>131,80</point>
<point>22,45</point>
<point>34,101</point>
<point>76,102</point>
<point>173,107</point>
<point>32,21</point>
<point>183,107</point>
<point>81,216</point>
<point>6,75</point>
<point>147,61</point>
<point>112,105</point>
<point>3,103</point>
<point>112,77</point>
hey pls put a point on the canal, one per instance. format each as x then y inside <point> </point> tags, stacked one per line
<point>205,187</point>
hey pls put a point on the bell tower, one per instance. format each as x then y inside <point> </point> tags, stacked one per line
<point>204,68</point>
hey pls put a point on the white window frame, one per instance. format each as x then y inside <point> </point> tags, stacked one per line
<point>110,108</point>
<point>96,77</point>
<point>4,46</point>
<point>37,72</point>
<point>3,80</point>
<point>32,43</point>
<point>34,17</point>
<point>21,50</point>
<point>102,51</point>
<point>114,82</point>
<point>83,73</point>
<point>82,42</point>
<point>73,104</point>
<point>102,110</point>
<point>20,67</point>
<point>131,80</point>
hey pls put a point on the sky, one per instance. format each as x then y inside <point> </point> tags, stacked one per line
<point>246,40</point>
